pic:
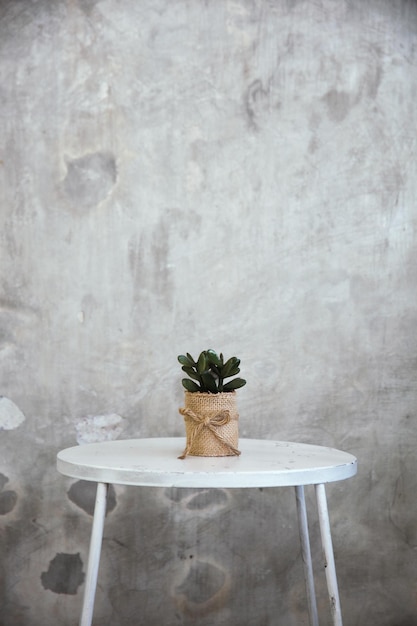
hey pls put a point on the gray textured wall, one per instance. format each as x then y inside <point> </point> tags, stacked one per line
<point>179,175</point>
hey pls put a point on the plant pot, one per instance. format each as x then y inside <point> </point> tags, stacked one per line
<point>211,424</point>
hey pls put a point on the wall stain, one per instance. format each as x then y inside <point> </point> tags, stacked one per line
<point>199,499</point>
<point>149,254</point>
<point>88,6</point>
<point>372,81</point>
<point>90,178</point>
<point>208,499</point>
<point>256,99</point>
<point>338,104</point>
<point>3,480</point>
<point>8,501</point>
<point>83,494</point>
<point>204,589</point>
<point>64,574</point>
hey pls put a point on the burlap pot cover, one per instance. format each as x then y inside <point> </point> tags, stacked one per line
<point>211,424</point>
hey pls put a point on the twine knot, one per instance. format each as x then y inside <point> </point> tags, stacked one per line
<point>210,421</point>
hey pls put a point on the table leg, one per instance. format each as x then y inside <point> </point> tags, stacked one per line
<point>326,540</point>
<point>306,555</point>
<point>94,555</point>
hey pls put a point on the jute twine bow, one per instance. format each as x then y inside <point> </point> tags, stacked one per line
<point>212,422</point>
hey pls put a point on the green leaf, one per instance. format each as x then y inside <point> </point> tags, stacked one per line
<point>184,360</point>
<point>214,358</point>
<point>233,372</point>
<point>202,363</point>
<point>191,373</point>
<point>229,366</point>
<point>236,383</point>
<point>209,383</point>
<point>191,359</point>
<point>190,385</point>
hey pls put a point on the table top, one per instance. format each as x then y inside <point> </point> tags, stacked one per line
<point>154,463</point>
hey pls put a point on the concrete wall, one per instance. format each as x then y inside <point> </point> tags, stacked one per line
<point>182,175</point>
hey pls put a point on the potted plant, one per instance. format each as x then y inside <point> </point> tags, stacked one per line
<point>210,412</point>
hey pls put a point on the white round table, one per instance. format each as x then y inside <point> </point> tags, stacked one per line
<point>262,463</point>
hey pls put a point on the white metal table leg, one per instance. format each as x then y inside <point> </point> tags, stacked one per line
<point>306,555</point>
<point>326,540</point>
<point>94,555</point>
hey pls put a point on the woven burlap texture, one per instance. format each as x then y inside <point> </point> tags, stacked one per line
<point>211,424</point>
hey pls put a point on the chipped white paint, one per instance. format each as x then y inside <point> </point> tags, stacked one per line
<point>10,415</point>
<point>98,428</point>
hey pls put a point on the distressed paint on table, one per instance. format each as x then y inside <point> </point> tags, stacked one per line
<point>153,462</point>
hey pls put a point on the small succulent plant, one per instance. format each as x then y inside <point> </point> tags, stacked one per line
<point>209,372</point>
